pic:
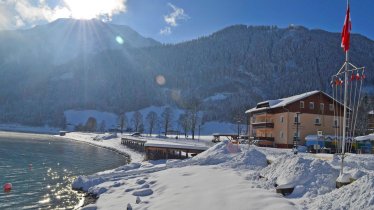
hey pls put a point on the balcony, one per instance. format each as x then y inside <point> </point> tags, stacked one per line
<point>263,125</point>
<point>262,114</point>
<point>265,138</point>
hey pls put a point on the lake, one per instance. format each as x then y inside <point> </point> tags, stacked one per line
<point>41,169</point>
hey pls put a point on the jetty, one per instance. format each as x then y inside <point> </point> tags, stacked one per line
<point>156,149</point>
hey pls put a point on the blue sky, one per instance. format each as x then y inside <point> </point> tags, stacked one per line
<point>180,20</point>
<point>207,16</point>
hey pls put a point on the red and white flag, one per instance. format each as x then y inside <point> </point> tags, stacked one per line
<point>346,30</point>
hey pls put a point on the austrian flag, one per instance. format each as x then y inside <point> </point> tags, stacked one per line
<point>346,30</point>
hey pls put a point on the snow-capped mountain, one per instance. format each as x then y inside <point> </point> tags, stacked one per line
<point>59,66</point>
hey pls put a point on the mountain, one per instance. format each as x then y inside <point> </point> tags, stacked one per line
<point>227,71</point>
<point>64,39</point>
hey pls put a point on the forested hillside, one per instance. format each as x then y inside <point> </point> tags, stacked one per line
<point>226,72</point>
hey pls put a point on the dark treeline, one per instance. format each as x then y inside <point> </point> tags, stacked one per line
<point>247,64</point>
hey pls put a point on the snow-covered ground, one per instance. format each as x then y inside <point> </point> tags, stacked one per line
<point>228,176</point>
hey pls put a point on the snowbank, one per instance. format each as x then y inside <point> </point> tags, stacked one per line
<point>231,155</point>
<point>358,195</point>
<point>312,176</point>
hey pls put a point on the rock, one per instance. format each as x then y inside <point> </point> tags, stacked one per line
<point>145,192</point>
<point>138,200</point>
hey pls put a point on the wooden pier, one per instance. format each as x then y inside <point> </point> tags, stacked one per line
<point>163,149</point>
<point>136,144</point>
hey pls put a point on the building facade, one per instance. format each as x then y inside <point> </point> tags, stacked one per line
<point>370,126</point>
<point>276,122</point>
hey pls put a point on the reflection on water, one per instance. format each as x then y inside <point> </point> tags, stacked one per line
<point>41,171</point>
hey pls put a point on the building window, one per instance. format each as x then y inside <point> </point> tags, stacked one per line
<point>297,134</point>
<point>282,119</point>
<point>317,121</point>
<point>311,105</point>
<point>336,123</point>
<point>281,134</point>
<point>296,119</point>
<point>331,107</point>
<point>302,104</point>
<point>322,106</point>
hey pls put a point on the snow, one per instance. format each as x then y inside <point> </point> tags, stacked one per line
<point>344,178</point>
<point>231,176</point>
<point>364,138</point>
<point>217,97</point>
<point>358,195</point>
<point>194,187</point>
<point>176,145</point>
<point>76,117</point>
<point>285,101</point>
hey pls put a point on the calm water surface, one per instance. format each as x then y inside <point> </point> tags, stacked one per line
<point>41,170</point>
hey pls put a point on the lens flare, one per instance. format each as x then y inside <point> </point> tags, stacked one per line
<point>119,40</point>
<point>160,80</point>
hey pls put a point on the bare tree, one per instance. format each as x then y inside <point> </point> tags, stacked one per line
<point>193,108</point>
<point>167,116</point>
<point>363,117</point>
<point>137,120</point>
<point>184,122</point>
<point>152,121</point>
<point>102,126</point>
<point>123,121</point>
<point>91,124</point>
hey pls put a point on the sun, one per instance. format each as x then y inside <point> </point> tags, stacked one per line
<point>89,9</point>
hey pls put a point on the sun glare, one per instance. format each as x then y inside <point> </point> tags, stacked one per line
<point>89,9</point>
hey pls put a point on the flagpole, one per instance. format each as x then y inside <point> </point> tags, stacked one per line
<point>345,98</point>
<point>345,110</point>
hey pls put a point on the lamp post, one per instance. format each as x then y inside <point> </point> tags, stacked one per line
<point>199,131</point>
<point>238,122</point>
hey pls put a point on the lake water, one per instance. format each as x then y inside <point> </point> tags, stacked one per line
<point>42,168</point>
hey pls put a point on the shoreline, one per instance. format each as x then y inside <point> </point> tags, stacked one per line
<point>87,197</point>
<point>128,156</point>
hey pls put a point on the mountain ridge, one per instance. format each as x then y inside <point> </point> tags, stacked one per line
<point>246,64</point>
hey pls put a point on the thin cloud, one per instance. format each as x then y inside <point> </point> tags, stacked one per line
<point>173,18</point>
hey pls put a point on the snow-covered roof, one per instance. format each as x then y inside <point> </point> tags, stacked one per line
<point>316,137</point>
<point>371,112</point>
<point>364,138</point>
<point>283,101</point>
<point>168,144</point>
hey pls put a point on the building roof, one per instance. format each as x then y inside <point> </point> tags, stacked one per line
<point>284,101</point>
<point>364,138</point>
